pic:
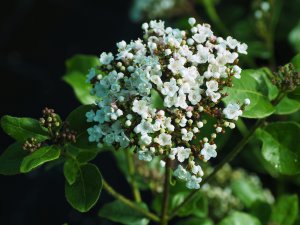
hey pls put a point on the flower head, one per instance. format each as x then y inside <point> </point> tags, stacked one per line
<point>155,93</point>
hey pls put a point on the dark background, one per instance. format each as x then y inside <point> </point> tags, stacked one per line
<point>36,37</point>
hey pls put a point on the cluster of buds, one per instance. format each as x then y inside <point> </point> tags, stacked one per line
<point>50,119</point>
<point>64,135</point>
<point>188,71</point>
<point>31,145</point>
<point>287,79</point>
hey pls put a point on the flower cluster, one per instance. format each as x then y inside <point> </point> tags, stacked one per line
<point>159,93</point>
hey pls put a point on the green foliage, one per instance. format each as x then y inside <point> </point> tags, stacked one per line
<point>83,150</point>
<point>239,218</point>
<point>248,192</point>
<point>280,146</point>
<point>11,159</point>
<point>120,213</point>
<point>285,211</point>
<point>195,221</point>
<point>198,207</point>
<point>77,69</point>
<point>248,87</point>
<point>294,37</point>
<point>23,128</point>
<point>39,157</point>
<point>296,62</point>
<point>156,100</point>
<point>71,169</point>
<point>85,191</point>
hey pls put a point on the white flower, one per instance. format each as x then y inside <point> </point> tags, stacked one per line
<point>231,42</point>
<point>242,48</point>
<point>182,173</point>
<point>197,170</point>
<point>141,108</point>
<point>143,127</point>
<point>232,111</point>
<point>209,151</point>
<point>200,38</point>
<point>181,101</point>
<point>193,182</point>
<point>236,71</point>
<point>195,96</point>
<point>215,96</point>
<point>145,155</point>
<point>188,136</point>
<point>164,139</point>
<point>173,153</point>
<point>145,140</point>
<point>170,88</point>
<point>183,153</point>
<point>212,86</point>
<point>176,65</point>
<point>106,58</point>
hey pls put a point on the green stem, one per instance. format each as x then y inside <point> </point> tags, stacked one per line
<point>213,15</point>
<point>237,149</point>
<point>129,203</point>
<point>165,202</point>
<point>242,127</point>
<point>131,170</point>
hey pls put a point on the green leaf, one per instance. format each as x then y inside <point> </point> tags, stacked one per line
<point>82,89</point>
<point>84,193</point>
<point>83,149</point>
<point>77,122</point>
<point>262,211</point>
<point>287,106</point>
<point>197,207</point>
<point>71,170</point>
<point>296,62</point>
<point>294,37</point>
<point>82,63</point>
<point>156,100</point>
<point>120,213</point>
<point>77,69</point>
<point>11,159</point>
<point>195,221</point>
<point>285,210</point>
<point>280,146</point>
<point>247,191</point>
<point>23,128</point>
<point>248,87</point>
<point>39,157</point>
<point>239,218</point>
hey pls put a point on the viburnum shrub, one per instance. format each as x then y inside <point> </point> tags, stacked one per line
<point>170,99</point>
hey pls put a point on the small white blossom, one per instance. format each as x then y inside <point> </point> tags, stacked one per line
<point>209,151</point>
<point>106,58</point>
<point>232,111</point>
<point>164,139</point>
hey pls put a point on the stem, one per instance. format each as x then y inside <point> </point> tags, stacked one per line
<point>129,203</point>
<point>242,127</point>
<point>165,203</point>
<point>229,157</point>
<point>213,15</point>
<point>131,170</point>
